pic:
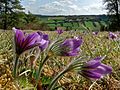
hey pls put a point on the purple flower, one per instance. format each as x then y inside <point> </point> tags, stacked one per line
<point>95,33</point>
<point>44,42</point>
<point>25,42</point>
<point>112,35</point>
<point>59,31</point>
<point>70,47</point>
<point>94,69</point>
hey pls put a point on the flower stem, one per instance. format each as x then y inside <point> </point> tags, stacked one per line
<point>53,82</point>
<point>72,65</point>
<point>15,66</point>
<point>40,69</point>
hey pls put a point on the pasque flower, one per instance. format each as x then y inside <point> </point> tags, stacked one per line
<point>59,31</point>
<point>24,41</point>
<point>112,35</point>
<point>70,47</point>
<point>94,69</point>
<point>95,33</point>
<point>44,42</point>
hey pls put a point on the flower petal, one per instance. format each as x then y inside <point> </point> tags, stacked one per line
<point>32,46</point>
<point>30,40</point>
<point>43,46</point>
<point>76,43</point>
<point>91,74</point>
<point>74,52</point>
<point>103,69</point>
<point>45,37</point>
<point>44,41</point>
<point>92,64</point>
<point>19,37</point>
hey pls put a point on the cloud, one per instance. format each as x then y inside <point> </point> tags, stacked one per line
<point>58,7</point>
<point>94,9</point>
<point>31,0</point>
<point>66,7</point>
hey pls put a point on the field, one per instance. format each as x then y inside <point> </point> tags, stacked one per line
<point>75,22</point>
<point>93,46</point>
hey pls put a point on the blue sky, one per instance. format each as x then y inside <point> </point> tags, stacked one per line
<point>64,7</point>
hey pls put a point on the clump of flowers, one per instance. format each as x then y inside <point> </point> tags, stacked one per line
<point>92,69</point>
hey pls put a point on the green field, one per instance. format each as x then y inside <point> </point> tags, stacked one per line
<point>73,24</point>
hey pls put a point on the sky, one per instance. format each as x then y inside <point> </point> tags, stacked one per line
<point>64,7</point>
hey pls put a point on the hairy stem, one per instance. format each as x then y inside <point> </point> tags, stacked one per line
<point>15,66</point>
<point>53,82</point>
<point>40,69</point>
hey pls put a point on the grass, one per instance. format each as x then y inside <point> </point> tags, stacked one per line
<point>67,24</point>
<point>92,47</point>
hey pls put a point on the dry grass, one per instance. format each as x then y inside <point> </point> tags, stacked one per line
<point>93,46</point>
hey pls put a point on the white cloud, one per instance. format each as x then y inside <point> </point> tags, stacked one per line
<point>32,0</point>
<point>94,9</point>
<point>66,7</point>
<point>58,7</point>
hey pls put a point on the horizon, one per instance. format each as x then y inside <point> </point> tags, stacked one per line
<point>71,15</point>
<point>64,7</point>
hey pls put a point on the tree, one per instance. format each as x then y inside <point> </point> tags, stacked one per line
<point>113,7</point>
<point>12,15</point>
<point>8,9</point>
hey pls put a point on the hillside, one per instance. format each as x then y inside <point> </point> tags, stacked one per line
<point>75,22</point>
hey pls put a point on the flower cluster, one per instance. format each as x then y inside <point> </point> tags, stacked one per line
<point>92,69</point>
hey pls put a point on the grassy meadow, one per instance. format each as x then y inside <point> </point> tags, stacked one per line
<point>93,46</point>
